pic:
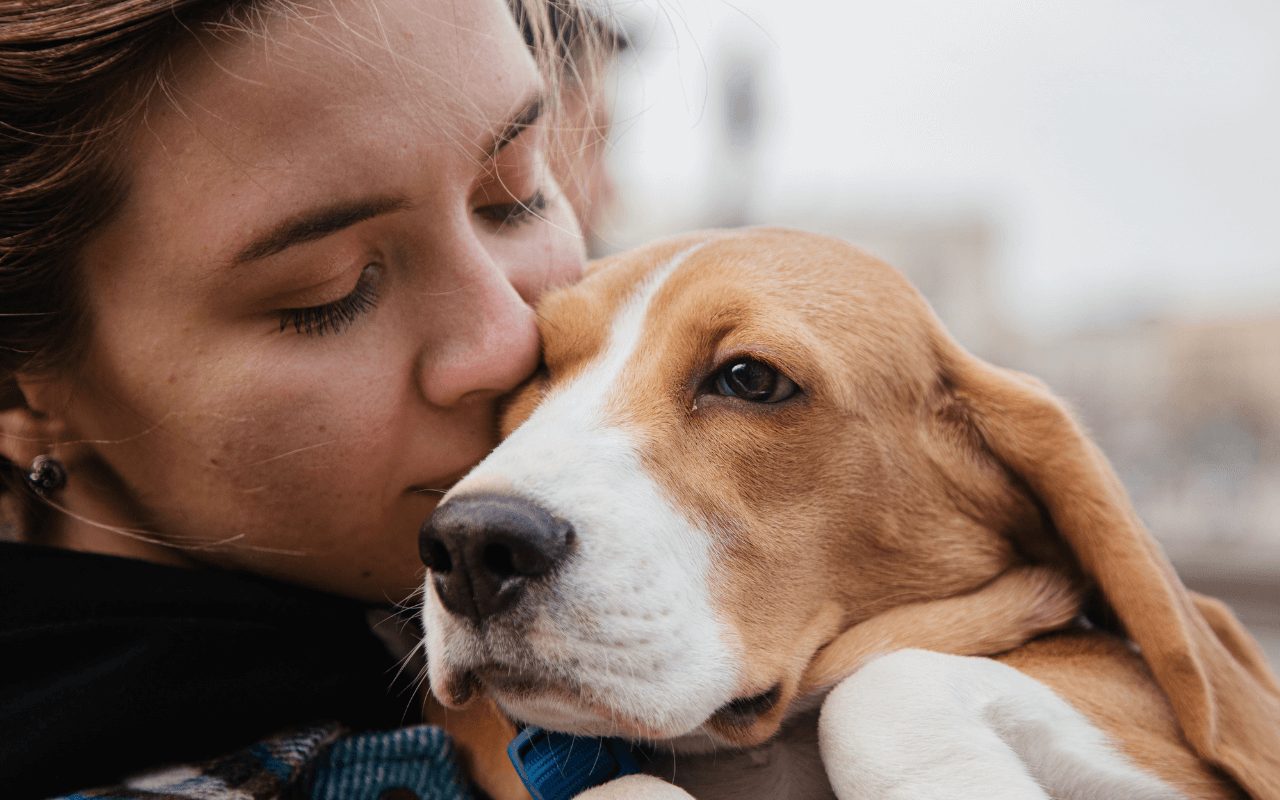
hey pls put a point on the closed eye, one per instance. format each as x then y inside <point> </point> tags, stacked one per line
<point>336,316</point>
<point>517,212</point>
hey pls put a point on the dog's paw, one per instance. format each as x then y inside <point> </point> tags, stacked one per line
<point>636,787</point>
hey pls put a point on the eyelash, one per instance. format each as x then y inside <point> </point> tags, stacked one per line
<point>337,316</point>
<point>517,213</point>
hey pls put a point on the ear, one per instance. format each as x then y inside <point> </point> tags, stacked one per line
<point>1225,698</point>
<point>30,421</point>
<point>33,422</point>
<point>26,431</point>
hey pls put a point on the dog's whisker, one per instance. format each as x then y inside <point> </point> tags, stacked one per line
<point>429,490</point>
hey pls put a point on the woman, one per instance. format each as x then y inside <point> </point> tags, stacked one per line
<point>266,270</point>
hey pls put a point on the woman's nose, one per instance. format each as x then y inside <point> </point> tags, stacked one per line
<point>490,344</point>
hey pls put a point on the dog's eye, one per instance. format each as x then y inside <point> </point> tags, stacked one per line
<point>754,381</point>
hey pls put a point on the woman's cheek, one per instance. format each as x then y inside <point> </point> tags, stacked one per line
<point>272,441</point>
<point>296,426</point>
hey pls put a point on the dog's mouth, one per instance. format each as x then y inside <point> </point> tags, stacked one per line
<point>518,681</point>
<point>745,711</point>
<point>559,705</point>
<point>750,720</point>
<point>538,697</point>
<point>493,678</point>
<point>530,695</point>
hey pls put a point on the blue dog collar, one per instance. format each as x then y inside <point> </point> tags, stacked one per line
<point>560,766</point>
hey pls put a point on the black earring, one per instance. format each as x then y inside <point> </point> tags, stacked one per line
<point>46,475</point>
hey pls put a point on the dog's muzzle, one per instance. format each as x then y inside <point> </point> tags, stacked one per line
<point>484,550</point>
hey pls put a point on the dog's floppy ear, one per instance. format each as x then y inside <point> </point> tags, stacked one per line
<point>1226,700</point>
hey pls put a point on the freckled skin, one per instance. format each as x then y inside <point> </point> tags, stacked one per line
<point>195,415</point>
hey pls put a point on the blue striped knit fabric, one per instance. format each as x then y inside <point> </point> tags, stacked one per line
<point>321,763</point>
<point>415,763</point>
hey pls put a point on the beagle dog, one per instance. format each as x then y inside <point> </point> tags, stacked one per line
<point>753,469</point>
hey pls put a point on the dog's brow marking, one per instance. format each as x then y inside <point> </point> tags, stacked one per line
<point>624,335</point>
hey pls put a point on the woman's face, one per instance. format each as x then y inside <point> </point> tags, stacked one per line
<point>318,287</point>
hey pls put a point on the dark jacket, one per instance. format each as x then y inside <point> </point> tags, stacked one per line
<point>109,666</point>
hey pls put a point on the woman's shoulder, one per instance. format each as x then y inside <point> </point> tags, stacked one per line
<point>326,762</point>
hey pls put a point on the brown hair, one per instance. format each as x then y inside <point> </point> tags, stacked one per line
<point>73,78</point>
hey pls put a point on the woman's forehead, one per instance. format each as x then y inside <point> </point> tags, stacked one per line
<point>433,50</point>
<point>311,106</point>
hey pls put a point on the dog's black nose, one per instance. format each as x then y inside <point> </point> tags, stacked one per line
<point>483,550</point>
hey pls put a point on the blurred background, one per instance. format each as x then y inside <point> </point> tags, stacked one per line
<point>1089,191</point>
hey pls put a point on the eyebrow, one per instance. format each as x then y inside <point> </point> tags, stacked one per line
<point>528,115</point>
<point>319,223</point>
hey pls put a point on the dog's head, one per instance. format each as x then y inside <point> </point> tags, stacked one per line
<point>742,444</point>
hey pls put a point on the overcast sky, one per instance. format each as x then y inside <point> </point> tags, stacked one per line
<point>1126,151</point>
